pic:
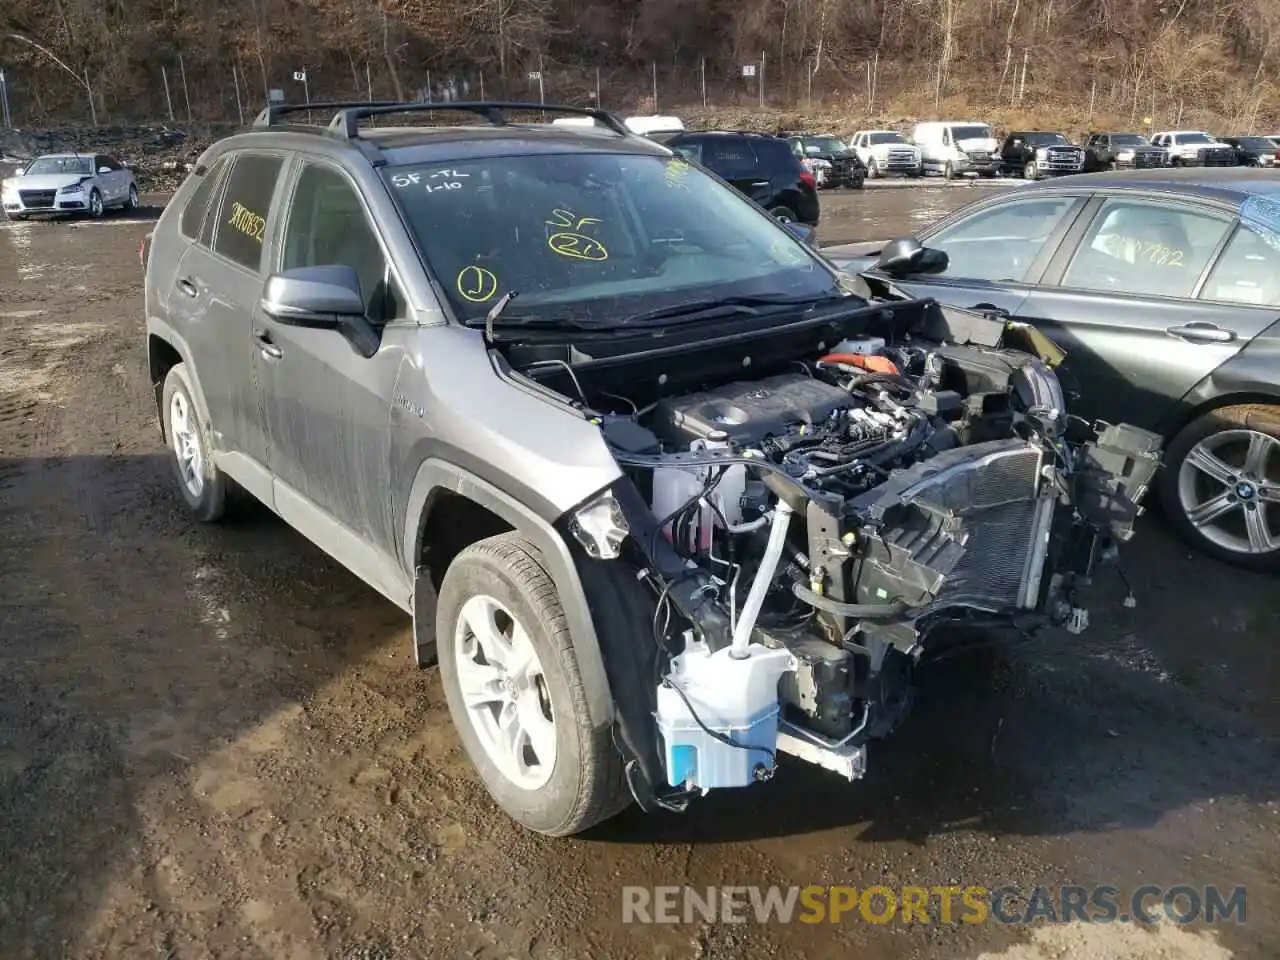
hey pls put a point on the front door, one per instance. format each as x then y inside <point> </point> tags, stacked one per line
<point>328,408</point>
<point>1141,322</point>
<point>997,253</point>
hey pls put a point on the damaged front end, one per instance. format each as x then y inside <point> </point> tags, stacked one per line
<point>805,530</point>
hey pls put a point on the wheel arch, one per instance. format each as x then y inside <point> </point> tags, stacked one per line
<point>1249,377</point>
<point>449,500</point>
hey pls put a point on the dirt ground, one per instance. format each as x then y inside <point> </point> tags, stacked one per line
<point>214,743</point>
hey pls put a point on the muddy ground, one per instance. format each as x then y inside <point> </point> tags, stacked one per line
<point>214,743</point>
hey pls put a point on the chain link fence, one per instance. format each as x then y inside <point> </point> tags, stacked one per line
<point>234,92</point>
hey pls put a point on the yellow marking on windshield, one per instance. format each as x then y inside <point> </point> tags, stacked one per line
<point>676,172</point>
<point>1158,253</point>
<point>569,219</point>
<point>476,284</point>
<point>577,246</point>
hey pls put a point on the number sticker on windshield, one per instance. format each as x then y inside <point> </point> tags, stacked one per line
<point>476,284</point>
<point>246,221</point>
<point>447,179</point>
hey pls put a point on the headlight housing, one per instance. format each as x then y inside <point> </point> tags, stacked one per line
<point>72,188</point>
<point>1124,155</point>
<point>600,527</point>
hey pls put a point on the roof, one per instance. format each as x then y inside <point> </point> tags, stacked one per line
<point>1225,184</point>
<point>489,134</point>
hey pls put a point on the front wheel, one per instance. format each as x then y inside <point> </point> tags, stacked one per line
<point>948,172</point>
<point>516,694</point>
<point>132,203</point>
<point>873,169</point>
<point>96,207</point>
<point>1221,485</point>
<point>1031,171</point>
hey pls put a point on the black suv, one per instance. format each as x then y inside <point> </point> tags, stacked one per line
<point>761,166</point>
<point>842,168</point>
<point>1122,151</point>
<point>1035,154</point>
<point>1253,151</point>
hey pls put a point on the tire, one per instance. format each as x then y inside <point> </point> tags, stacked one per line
<point>502,582</point>
<point>204,488</point>
<point>873,169</point>
<point>132,203</point>
<point>1031,171</point>
<point>948,172</point>
<point>1230,457</point>
<point>784,214</point>
<point>96,207</point>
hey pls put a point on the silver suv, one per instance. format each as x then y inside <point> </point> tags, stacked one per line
<point>665,492</point>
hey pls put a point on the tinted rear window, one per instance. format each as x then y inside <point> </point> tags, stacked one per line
<point>198,205</point>
<point>776,155</point>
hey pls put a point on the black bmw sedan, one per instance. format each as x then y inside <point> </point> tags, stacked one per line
<point>1163,288</point>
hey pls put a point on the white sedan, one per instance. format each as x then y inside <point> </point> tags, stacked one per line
<point>69,183</point>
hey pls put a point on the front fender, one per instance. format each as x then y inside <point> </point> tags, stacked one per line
<point>435,475</point>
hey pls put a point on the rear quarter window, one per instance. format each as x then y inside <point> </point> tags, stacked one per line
<point>197,205</point>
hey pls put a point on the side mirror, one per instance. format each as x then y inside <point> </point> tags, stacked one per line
<point>104,169</point>
<point>806,233</point>
<point>321,298</point>
<point>906,256</point>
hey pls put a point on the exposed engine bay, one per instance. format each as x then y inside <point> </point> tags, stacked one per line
<point>805,527</point>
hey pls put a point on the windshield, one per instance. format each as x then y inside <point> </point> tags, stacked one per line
<point>1128,140</point>
<point>823,145</point>
<point>1256,143</point>
<point>594,237</point>
<point>1195,138</point>
<point>55,165</point>
<point>886,138</point>
<point>1046,139</point>
<point>975,132</point>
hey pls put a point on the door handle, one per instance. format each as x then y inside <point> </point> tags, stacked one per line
<point>265,345</point>
<point>760,183</point>
<point>1199,330</point>
<point>189,288</point>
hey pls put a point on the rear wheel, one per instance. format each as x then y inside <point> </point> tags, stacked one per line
<point>516,694</point>
<point>1221,485</point>
<point>202,485</point>
<point>784,214</point>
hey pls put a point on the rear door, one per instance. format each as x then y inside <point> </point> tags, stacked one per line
<point>735,160</point>
<point>1146,303</point>
<point>222,279</point>
<point>997,252</point>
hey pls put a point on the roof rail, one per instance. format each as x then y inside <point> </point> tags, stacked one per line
<point>269,115</point>
<point>347,119</point>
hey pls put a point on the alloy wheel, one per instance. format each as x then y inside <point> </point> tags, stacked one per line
<point>1229,490</point>
<point>185,439</point>
<point>504,689</point>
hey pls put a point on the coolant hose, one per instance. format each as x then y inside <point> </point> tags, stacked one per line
<point>861,611</point>
<point>763,580</point>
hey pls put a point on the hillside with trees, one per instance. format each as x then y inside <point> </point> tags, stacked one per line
<point>1179,62</point>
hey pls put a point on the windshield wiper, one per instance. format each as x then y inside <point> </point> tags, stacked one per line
<point>723,306</point>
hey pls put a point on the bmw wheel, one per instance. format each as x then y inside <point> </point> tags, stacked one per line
<point>516,694</point>
<point>1221,485</point>
<point>96,208</point>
